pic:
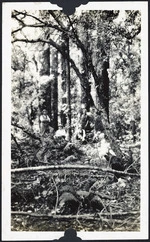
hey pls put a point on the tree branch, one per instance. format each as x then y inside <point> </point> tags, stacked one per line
<point>16,30</point>
<point>57,195</point>
<point>57,20</point>
<point>26,14</point>
<point>80,167</point>
<point>54,44</point>
<point>15,140</point>
<point>50,41</point>
<point>25,131</point>
<point>79,44</point>
<point>83,216</point>
<point>41,25</point>
<point>87,56</point>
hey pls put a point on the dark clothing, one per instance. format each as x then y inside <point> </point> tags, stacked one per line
<point>63,118</point>
<point>69,239</point>
<point>70,235</point>
<point>98,124</point>
<point>84,121</point>
<point>119,129</point>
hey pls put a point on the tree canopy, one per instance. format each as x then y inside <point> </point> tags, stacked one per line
<point>104,58</point>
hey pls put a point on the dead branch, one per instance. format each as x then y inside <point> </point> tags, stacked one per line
<point>41,25</point>
<point>82,216</point>
<point>18,146</point>
<point>25,131</point>
<point>56,205</point>
<point>136,145</point>
<point>85,167</point>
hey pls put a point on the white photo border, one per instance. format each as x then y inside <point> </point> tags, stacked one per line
<point>7,234</point>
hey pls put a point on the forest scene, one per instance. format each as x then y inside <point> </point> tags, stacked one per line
<point>75,120</point>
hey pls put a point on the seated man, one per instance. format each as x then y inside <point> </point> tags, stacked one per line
<point>103,146</point>
<point>60,133</point>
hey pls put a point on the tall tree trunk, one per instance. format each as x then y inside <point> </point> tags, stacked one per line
<point>68,90</point>
<point>45,61</point>
<point>54,89</point>
<point>87,98</point>
<point>63,88</point>
<point>66,84</point>
<point>105,88</point>
<point>44,70</point>
<point>48,100</point>
<point>37,75</point>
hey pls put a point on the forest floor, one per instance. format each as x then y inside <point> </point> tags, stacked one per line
<point>75,189</point>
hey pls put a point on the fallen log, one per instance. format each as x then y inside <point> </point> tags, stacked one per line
<point>136,145</point>
<point>81,216</point>
<point>84,167</point>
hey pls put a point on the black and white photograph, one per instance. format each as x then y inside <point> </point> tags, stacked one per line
<point>76,129</point>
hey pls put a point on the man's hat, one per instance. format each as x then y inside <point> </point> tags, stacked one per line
<point>44,110</point>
